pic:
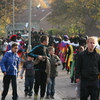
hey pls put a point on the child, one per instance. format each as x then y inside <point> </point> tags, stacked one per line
<point>29,75</point>
<point>54,63</point>
<point>9,67</point>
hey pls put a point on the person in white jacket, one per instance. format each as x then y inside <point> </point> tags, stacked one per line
<point>4,46</point>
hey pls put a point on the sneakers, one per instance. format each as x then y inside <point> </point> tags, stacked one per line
<point>30,97</point>
<point>52,97</point>
<point>41,98</point>
<point>25,94</point>
<point>47,97</point>
<point>35,97</point>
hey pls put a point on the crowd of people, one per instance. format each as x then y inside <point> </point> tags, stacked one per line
<point>79,55</point>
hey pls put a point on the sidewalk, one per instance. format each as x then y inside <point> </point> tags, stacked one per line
<point>20,86</point>
<point>64,89</point>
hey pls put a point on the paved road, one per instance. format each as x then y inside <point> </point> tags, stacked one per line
<point>64,89</point>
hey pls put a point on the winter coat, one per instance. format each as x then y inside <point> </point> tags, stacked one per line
<point>88,65</point>
<point>54,70</point>
<point>9,63</point>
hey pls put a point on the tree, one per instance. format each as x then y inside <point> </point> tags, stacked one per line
<point>50,1</point>
<point>82,13</point>
<point>6,9</point>
<point>7,6</point>
<point>40,3</point>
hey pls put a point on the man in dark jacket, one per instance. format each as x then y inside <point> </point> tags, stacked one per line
<point>87,70</point>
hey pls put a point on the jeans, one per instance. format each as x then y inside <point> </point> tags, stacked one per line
<point>51,87</point>
<point>29,81</point>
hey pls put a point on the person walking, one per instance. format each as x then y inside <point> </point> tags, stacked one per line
<point>42,66</point>
<point>4,46</point>
<point>9,67</point>
<point>87,70</point>
<point>55,61</point>
<point>28,67</point>
<point>41,32</point>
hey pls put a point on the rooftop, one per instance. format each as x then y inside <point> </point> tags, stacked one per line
<point>37,14</point>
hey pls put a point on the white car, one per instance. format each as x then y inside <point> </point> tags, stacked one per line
<point>25,36</point>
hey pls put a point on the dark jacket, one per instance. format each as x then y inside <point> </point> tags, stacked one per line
<point>88,65</point>
<point>35,52</point>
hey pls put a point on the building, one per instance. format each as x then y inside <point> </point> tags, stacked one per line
<point>38,18</point>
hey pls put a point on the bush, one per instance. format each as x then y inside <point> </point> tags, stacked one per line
<point>66,30</point>
<point>53,31</point>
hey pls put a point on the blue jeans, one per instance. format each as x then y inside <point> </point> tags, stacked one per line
<point>51,87</point>
<point>29,81</point>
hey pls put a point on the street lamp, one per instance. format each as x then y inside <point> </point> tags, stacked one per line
<point>6,16</point>
<point>29,38</point>
<point>13,16</point>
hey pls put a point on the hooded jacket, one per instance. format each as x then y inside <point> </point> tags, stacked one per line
<point>9,63</point>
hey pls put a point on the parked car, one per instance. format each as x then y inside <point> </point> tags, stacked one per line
<point>25,36</point>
